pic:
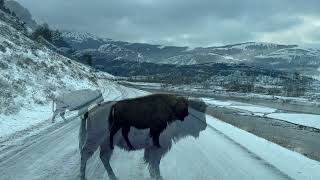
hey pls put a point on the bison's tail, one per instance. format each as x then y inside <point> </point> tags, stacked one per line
<point>83,130</point>
<point>111,117</point>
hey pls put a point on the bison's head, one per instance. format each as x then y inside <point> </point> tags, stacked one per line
<point>181,108</point>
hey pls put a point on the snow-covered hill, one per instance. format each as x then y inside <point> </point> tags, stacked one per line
<point>31,74</point>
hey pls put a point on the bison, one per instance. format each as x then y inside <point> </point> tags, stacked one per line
<point>94,133</point>
<point>152,112</point>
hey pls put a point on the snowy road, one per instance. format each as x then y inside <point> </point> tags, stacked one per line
<point>56,156</point>
<point>211,154</point>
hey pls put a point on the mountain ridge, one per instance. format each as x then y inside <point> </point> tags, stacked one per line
<point>268,55</point>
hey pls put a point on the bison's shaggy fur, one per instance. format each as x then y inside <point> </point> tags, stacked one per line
<point>152,112</point>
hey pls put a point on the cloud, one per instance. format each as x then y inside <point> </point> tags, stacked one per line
<point>185,22</point>
<point>305,33</point>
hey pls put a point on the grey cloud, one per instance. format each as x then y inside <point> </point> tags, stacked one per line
<point>177,22</point>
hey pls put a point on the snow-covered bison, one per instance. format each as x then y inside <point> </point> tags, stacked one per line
<point>94,133</point>
<point>152,112</point>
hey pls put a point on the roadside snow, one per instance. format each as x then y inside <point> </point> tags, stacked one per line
<point>255,109</point>
<point>213,102</point>
<point>309,120</point>
<point>24,119</point>
<point>291,163</point>
<point>158,85</point>
<point>239,106</point>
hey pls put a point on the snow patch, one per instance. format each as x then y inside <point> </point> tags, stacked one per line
<point>309,120</point>
<point>213,102</point>
<point>80,37</point>
<point>255,109</point>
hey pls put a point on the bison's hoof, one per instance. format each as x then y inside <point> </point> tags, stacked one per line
<point>159,178</point>
<point>131,148</point>
<point>111,147</point>
<point>158,146</point>
<point>113,177</point>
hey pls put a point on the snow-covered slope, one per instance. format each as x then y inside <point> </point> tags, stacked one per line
<point>31,74</point>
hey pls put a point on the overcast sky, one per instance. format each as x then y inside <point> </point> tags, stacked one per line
<point>186,22</point>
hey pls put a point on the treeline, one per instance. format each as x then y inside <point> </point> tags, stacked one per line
<point>233,78</point>
<point>55,38</point>
<point>52,36</point>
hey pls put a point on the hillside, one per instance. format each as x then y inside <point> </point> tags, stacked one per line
<point>31,74</point>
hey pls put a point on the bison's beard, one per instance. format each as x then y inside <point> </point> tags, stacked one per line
<point>181,117</point>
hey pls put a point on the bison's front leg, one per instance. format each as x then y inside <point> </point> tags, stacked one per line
<point>155,134</point>
<point>125,133</point>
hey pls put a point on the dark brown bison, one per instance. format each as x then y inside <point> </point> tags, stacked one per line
<point>152,112</point>
<point>94,134</point>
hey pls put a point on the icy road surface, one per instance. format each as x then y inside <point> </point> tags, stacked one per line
<point>220,151</point>
<point>211,156</point>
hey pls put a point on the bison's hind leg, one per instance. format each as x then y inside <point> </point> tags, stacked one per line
<point>113,130</point>
<point>85,155</point>
<point>62,115</point>
<point>105,156</point>
<point>125,133</point>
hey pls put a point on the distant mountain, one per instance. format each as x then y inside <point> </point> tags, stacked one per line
<point>267,55</point>
<point>81,41</point>
<point>107,49</point>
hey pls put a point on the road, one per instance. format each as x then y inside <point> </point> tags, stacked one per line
<point>55,156</point>
<point>202,154</point>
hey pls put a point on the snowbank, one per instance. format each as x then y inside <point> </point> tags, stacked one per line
<point>309,120</point>
<point>291,163</point>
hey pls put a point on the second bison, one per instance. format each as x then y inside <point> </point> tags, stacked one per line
<point>152,112</point>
